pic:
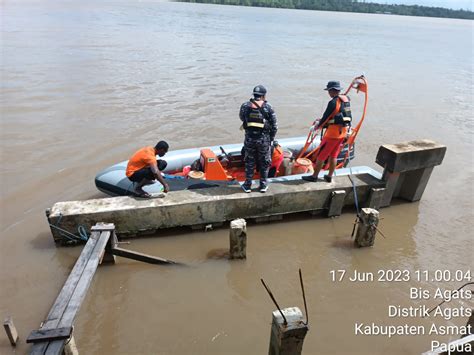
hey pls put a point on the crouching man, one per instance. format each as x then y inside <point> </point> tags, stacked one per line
<point>143,168</point>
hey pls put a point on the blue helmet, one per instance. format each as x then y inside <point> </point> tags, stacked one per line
<point>259,90</point>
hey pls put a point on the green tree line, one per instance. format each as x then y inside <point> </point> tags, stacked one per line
<point>348,6</point>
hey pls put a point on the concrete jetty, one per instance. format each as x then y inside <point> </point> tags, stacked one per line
<point>407,167</point>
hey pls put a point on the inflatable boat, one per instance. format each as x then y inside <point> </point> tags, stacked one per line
<point>215,166</point>
<point>224,165</point>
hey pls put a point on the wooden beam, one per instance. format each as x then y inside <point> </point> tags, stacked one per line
<point>141,257</point>
<point>69,300</point>
<point>41,335</point>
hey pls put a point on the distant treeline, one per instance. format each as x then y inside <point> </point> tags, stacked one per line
<point>348,6</point>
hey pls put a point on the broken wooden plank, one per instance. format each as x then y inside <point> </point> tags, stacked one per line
<point>56,347</point>
<point>67,304</point>
<point>141,257</point>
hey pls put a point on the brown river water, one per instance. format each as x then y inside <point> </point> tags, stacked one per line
<point>85,84</point>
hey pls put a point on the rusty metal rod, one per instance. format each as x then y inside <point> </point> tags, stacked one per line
<point>304,299</point>
<point>274,301</point>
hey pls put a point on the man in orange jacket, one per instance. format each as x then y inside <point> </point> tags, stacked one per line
<point>143,168</point>
<point>336,119</point>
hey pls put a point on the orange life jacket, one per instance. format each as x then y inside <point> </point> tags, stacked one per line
<point>337,127</point>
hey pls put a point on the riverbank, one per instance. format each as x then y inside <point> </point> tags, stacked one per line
<point>349,6</point>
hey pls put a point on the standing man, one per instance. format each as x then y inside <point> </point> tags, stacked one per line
<point>143,168</point>
<point>260,124</point>
<point>337,120</point>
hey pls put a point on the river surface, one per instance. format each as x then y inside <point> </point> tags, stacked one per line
<point>84,84</point>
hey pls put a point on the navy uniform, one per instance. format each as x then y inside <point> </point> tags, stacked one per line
<point>260,124</point>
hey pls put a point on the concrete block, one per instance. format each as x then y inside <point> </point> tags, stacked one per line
<point>134,217</point>
<point>287,339</point>
<point>412,155</point>
<point>336,203</point>
<point>367,227</point>
<point>238,239</point>
<point>376,196</point>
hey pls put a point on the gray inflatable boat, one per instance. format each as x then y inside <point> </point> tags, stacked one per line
<point>113,180</point>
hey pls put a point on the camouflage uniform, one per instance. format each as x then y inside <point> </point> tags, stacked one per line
<point>257,143</point>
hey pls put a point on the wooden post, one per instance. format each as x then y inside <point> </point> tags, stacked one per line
<point>108,256</point>
<point>367,227</point>
<point>10,330</point>
<point>287,339</point>
<point>238,239</point>
<point>71,348</point>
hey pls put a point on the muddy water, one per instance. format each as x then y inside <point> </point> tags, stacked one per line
<point>83,85</point>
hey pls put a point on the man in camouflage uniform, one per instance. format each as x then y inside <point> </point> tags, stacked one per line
<point>260,124</point>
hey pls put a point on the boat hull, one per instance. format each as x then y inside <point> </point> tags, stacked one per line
<point>113,180</point>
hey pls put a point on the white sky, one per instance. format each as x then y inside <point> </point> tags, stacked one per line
<point>450,4</point>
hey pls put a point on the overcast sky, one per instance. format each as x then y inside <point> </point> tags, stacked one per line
<point>450,4</point>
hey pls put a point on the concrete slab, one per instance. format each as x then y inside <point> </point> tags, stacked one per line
<point>411,155</point>
<point>132,216</point>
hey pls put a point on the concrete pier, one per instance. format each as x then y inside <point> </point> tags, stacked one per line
<point>133,217</point>
<point>238,239</point>
<point>407,168</point>
<point>287,339</point>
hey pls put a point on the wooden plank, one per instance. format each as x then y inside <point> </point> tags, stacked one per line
<point>42,335</point>
<point>69,300</point>
<point>11,331</point>
<point>108,257</point>
<point>141,257</point>
<point>56,347</point>
<point>69,286</point>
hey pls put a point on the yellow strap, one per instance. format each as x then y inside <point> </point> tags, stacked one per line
<point>255,124</point>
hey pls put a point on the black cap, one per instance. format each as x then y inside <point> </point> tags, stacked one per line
<point>336,85</point>
<point>259,90</point>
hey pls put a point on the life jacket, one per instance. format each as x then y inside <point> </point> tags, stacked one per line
<point>255,121</point>
<point>340,119</point>
<point>277,157</point>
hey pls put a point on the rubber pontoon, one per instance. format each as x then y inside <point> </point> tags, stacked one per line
<point>113,181</point>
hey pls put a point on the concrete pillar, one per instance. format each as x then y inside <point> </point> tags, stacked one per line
<point>408,167</point>
<point>238,239</point>
<point>11,331</point>
<point>287,339</point>
<point>391,180</point>
<point>414,184</point>
<point>337,203</point>
<point>367,227</point>
<point>71,348</point>
<point>375,198</point>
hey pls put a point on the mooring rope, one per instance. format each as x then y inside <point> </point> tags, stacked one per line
<point>81,230</point>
